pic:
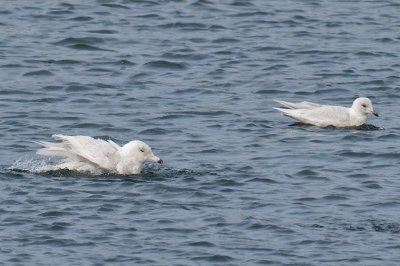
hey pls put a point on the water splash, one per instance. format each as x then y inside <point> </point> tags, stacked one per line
<point>48,167</point>
<point>30,164</point>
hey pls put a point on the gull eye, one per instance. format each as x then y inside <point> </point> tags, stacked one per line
<point>141,149</point>
<point>364,105</point>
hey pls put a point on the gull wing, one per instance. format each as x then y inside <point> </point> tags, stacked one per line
<point>301,105</point>
<point>115,145</point>
<point>322,116</point>
<point>82,148</point>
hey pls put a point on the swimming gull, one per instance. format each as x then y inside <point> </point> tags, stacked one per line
<point>84,153</point>
<point>329,115</point>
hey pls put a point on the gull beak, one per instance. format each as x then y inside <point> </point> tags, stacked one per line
<point>372,112</point>
<point>156,159</point>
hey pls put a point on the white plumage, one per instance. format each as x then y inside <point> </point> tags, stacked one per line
<point>84,153</point>
<point>329,115</point>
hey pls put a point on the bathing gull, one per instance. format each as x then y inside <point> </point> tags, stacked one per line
<point>84,153</point>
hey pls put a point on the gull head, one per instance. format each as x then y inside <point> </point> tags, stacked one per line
<point>140,152</point>
<point>363,105</point>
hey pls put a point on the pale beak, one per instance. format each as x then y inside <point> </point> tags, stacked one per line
<point>156,159</point>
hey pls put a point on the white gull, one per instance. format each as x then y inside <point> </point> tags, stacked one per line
<point>329,115</point>
<point>84,153</point>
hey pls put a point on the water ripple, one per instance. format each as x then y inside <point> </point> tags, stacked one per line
<point>196,80</point>
<point>166,64</point>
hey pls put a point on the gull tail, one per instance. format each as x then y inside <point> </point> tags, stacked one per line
<point>287,112</point>
<point>52,149</point>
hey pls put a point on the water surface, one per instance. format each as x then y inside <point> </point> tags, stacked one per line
<point>241,185</point>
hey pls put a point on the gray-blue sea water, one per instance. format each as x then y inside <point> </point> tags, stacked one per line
<point>196,79</point>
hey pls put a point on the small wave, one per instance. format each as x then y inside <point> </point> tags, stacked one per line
<point>15,92</point>
<point>306,199</point>
<point>262,180</point>
<point>335,197</point>
<point>38,73</point>
<point>59,11</point>
<point>389,155</point>
<point>225,40</point>
<point>385,40</point>
<point>189,55</point>
<point>12,65</point>
<point>334,91</point>
<point>83,43</point>
<point>190,26</point>
<point>270,91</point>
<point>150,16</point>
<point>82,40</point>
<point>81,46</point>
<point>77,88</point>
<point>82,18</point>
<point>270,48</point>
<point>385,227</point>
<point>115,6</point>
<point>306,173</point>
<point>371,185</point>
<point>87,125</point>
<point>166,64</point>
<point>124,62</point>
<point>214,258</point>
<point>158,131</point>
<point>253,14</point>
<point>276,67</point>
<point>67,62</point>
<point>363,53</point>
<point>103,31</point>
<point>355,154</point>
<point>101,70</point>
<point>201,244</point>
